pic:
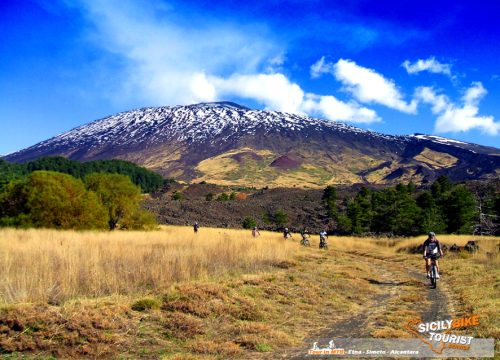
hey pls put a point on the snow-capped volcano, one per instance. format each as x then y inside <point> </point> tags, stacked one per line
<point>230,144</point>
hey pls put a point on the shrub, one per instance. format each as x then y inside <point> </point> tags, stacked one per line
<point>177,195</point>
<point>263,347</point>
<point>146,304</point>
<point>223,197</point>
<point>249,223</point>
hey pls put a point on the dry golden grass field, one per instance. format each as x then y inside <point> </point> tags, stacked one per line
<point>221,294</point>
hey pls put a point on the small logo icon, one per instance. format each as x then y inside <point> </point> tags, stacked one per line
<point>329,350</point>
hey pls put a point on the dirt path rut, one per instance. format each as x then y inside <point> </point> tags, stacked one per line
<point>390,276</point>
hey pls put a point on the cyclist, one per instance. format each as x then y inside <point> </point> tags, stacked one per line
<point>287,234</point>
<point>323,235</point>
<point>255,232</point>
<point>196,227</point>
<point>432,247</point>
<point>305,237</point>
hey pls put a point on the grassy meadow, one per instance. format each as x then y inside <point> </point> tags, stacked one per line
<point>220,293</point>
<point>53,266</point>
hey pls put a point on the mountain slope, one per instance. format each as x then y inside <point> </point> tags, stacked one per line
<point>229,144</point>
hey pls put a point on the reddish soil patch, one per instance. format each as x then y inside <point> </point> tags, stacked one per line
<point>286,162</point>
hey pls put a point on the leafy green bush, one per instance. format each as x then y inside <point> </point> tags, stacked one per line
<point>146,304</point>
<point>177,195</point>
<point>223,197</point>
<point>249,223</point>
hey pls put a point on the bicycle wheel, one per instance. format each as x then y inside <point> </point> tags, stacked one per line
<point>434,276</point>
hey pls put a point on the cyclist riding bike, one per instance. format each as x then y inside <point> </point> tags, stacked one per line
<point>322,239</point>
<point>305,237</point>
<point>432,248</point>
<point>287,234</point>
<point>255,232</point>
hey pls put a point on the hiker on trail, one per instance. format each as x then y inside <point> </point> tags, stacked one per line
<point>255,232</point>
<point>196,227</point>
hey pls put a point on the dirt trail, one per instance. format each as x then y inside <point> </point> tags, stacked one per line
<point>437,298</point>
<point>391,275</point>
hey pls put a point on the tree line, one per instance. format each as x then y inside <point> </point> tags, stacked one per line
<point>51,199</point>
<point>147,180</point>
<point>404,210</point>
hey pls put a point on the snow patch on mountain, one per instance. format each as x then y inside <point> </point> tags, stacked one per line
<point>199,123</point>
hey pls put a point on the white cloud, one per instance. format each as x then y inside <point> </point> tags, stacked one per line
<point>276,92</point>
<point>321,67</point>
<point>168,61</point>
<point>333,109</point>
<point>462,117</point>
<point>368,86</point>
<point>474,94</point>
<point>364,84</point>
<point>428,95</point>
<point>430,65</point>
<point>163,56</point>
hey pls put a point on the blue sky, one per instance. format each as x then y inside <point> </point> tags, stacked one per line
<point>394,67</point>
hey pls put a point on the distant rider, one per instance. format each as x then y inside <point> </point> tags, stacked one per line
<point>323,235</point>
<point>196,227</point>
<point>305,237</point>
<point>287,234</point>
<point>255,232</point>
<point>432,247</point>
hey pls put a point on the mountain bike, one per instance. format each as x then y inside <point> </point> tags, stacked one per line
<point>305,241</point>
<point>322,243</point>
<point>433,271</point>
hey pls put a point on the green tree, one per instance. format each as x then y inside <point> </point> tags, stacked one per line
<point>405,212</point>
<point>249,223</point>
<point>119,196</point>
<point>360,212</point>
<point>147,180</point>
<point>344,225</point>
<point>280,218</point>
<point>330,200</point>
<point>53,200</point>
<point>210,196</point>
<point>431,216</point>
<point>460,209</point>
<point>441,186</point>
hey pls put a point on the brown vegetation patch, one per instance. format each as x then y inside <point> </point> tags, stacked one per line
<point>90,331</point>
<point>286,162</point>
<point>285,264</point>
<point>245,155</point>
<point>226,348</point>
<point>182,326</point>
